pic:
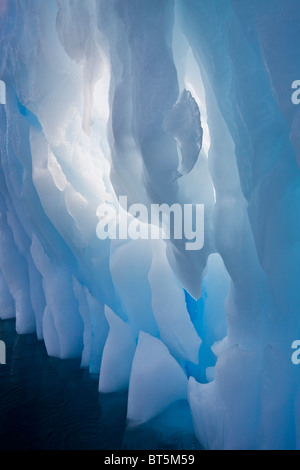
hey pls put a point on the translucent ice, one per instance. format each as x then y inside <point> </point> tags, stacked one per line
<point>117,355</point>
<point>163,102</point>
<point>156,380</point>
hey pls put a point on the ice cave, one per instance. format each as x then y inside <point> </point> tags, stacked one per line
<point>191,103</point>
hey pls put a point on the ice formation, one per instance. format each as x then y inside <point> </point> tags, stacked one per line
<point>164,102</point>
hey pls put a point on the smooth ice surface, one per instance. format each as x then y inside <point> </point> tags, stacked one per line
<point>163,102</point>
<point>156,380</point>
<point>117,356</point>
<point>169,307</point>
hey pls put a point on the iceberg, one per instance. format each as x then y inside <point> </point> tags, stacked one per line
<point>159,103</point>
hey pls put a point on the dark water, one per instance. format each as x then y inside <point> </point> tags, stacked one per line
<point>47,403</point>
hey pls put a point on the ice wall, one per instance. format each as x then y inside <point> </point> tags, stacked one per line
<point>168,101</point>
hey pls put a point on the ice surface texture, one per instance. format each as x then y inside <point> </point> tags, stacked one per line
<point>168,101</point>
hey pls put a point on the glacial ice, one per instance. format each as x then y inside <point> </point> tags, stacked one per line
<point>117,356</point>
<point>163,102</point>
<point>156,380</point>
